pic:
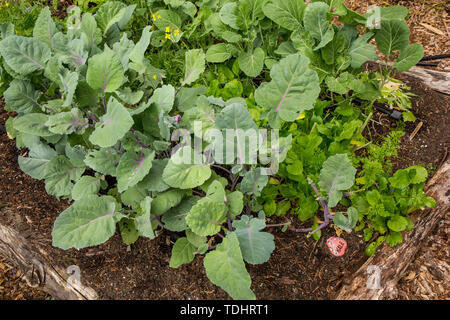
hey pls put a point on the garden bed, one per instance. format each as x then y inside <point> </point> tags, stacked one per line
<point>300,268</point>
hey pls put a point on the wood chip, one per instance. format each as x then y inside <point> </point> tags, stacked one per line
<point>413,134</point>
<point>432,29</point>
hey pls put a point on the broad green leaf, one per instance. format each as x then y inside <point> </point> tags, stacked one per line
<point>186,169</point>
<point>89,27</point>
<point>85,95</point>
<point>66,122</point>
<point>293,89</point>
<point>206,217</point>
<point>24,55</point>
<point>44,27</point>
<point>69,82</point>
<point>393,13</point>
<point>326,39</point>
<point>235,202</point>
<point>336,6</point>
<point>236,124</point>
<point>316,21</point>
<point>137,54</point>
<point>87,185</point>
<point>164,97</point>
<point>142,219</point>
<point>128,231</point>
<point>409,57</point>
<point>128,96</point>
<point>105,72</point>
<point>227,15</point>
<point>360,51</point>
<point>256,246</point>
<point>103,161</point>
<point>6,30</point>
<point>167,19</point>
<point>286,13</point>
<point>225,268</point>
<point>39,156</point>
<point>123,49</point>
<point>166,200</point>
<point>21,96</point>
<point>182,253</point>
<point>175,218</point>
<point>393,35</point>
<point>133,168</point>
<point>32,123</point>
<point>253,182</point>
<point>196,240</point>
<point>154,182</point>
<point>59,174</point>
<point>113,12</point>
<point>194,65</point>
<point>337,174</point>
<point>346,223</point>
<point>252,63</point>
<point>219,52</point>
<point>112,126</point>
<point>186,98</point>
<point>87,222</point>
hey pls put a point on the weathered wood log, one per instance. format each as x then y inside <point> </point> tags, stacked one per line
<point>389,264</point>
<point>37,269</point>
<point>436,80</point>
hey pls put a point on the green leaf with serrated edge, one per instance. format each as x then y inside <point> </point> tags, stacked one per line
<point>397,223</point>
<point>346,223</point>
<point>112,126</point>
<point>194,65</point>
<point>87,222</point>
<point>219,52</point>
<point>154,182</point>
<point>60,173</point>
<point>137,54</point>
<point>128,231</point>
<point>182,253</point>
<point>32,123</point>
<point>393,35</point>
<point>24,55</point>
<point>142,219</point>
<point>252,63</point>
<point>186,169</point>
<point>38,158</point>
<point>164,97</point>
<point>360,51</point>
<point>409,57</point>
<point>21,96</point>
<point>105,72</point>
<point>103,161</point>
<point>87,185</point>
<point>256,246</point>
<point>205,217</point>
<point>394,238</point>
<point>66,122</point>
<point>111,13</point>
<point>175,218</point>
<point>235,202</point>
<point>162,202</point>
<point>225,268</point>
<point>133,167</point>
<point>337,174</point>
<point>253,182</point>
<point>286,13</point>
<point>293,89</point>
<point>45,27</point>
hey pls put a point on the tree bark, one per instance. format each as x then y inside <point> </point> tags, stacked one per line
<point>37,269</point>
<point>389,264</point>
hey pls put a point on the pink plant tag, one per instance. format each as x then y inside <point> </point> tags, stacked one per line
<point>337,246</point>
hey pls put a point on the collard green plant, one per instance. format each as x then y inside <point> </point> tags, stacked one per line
<point>112,123</point>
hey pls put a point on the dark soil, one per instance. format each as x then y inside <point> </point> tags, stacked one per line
<point>300,268</point>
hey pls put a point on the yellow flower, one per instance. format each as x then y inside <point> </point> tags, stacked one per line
<point>167,35</point>
<point>176,32</point>
<point>153,17</point>
<point>154,77</point>
<point>158,16</point>
<point>7,4</point>
<point>301,116</point>
<point>167,29</point>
